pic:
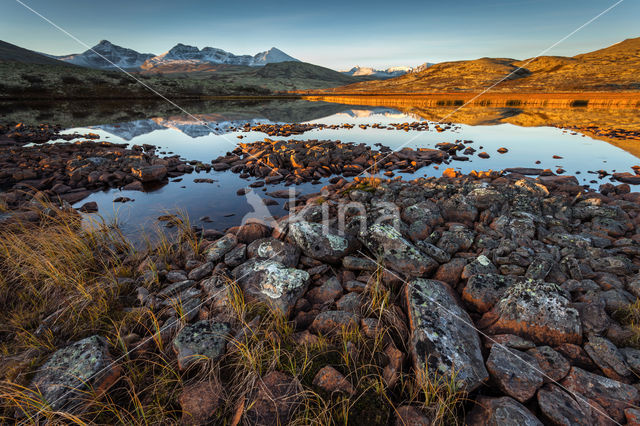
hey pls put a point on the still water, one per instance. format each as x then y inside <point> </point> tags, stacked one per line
<point>186,136</point>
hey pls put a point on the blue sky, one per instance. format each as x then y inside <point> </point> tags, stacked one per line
<point>337,34</point>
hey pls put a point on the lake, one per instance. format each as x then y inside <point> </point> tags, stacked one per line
<point>206,130</point>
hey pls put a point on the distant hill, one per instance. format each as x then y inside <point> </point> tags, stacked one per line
<point>11,52</point>
<point>615,68</point>
<point>359,71</point>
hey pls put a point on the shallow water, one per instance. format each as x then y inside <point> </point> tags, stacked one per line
<point>184,135</point>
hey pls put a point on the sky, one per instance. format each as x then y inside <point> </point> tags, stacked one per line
<point>336,34</point>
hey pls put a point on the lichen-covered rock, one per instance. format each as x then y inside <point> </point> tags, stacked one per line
<point>71,372</point>
<point>456,239</point>
<point>480,265</point>
<point>321,242</point>
<point>272,283</point>
<point>202,340</point>
<point>503,411</point>
<point>396,252</point>
<point>612,395</point>
<point>483,291</point>
<point>516,373</point>
<point>216,250</point>
<point>537,311</point>
<point>274,249</point>
<point>442,334</point>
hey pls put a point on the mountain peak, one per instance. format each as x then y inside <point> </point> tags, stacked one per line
<point>104,43</point>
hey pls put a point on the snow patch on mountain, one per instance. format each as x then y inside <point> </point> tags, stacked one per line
<point>386,73</point>
<point>183,54</point>
<point>106,55</point>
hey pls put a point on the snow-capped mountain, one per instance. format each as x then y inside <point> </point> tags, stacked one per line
<point>183,54</point>
<point>117,57</point>
<point>386,73</point>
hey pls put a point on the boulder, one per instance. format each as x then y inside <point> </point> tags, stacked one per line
<point>320,242</point>
<point>561,408</point>
<point>612,395</point>
<point>71,372</point>
<point>396,252</point>
<point>331,380</point>
<point>607,356</point>
<point>443,338</point>
<point>502,411</point>
<point>537,311</point>
<point>149,173</point>
<point>516,373</point>
<point>204,340</point>
<point>274,249</point>
<point>200,401</point>
<point>271,282</point>
<point>216,250</point>
<point>483,291</point>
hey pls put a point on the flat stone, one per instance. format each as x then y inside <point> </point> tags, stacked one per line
<point>396,252</point>
<point>272,283</point>
<point>560,408</point>
<point>607,356</point>
<point>150,173</point>
<point>236,257</point>
<point>554,365</point>
<point>516,373</point>
<point>537,311</point>
<point>612,395</point>
<point>201,271</point>
<point>202,340</point>
<point>320,242</point>
<point>442,334</point>
<point>359,264</point>
<point>502,411</point>
<point>71,372</point>
<point>632,356</point>
<point>216,250</point>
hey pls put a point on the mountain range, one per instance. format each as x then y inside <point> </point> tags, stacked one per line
<point>614,68</point>
<point>181,54</point>
<point>359,71</point>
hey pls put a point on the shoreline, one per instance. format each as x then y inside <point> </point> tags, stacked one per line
<point>391,268</point>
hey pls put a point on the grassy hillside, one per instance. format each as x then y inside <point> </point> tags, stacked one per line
<point>11,52</point>
<point>615,68</point>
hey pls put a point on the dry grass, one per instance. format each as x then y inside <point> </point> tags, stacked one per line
<point>57,270</point>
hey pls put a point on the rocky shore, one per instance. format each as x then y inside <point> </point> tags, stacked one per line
<point>70,172</point>
<point>521,293</point>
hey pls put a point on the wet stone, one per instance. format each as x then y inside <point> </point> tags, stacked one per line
<point>202,340</point>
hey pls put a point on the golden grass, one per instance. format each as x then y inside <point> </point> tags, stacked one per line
<point>67,277</point>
